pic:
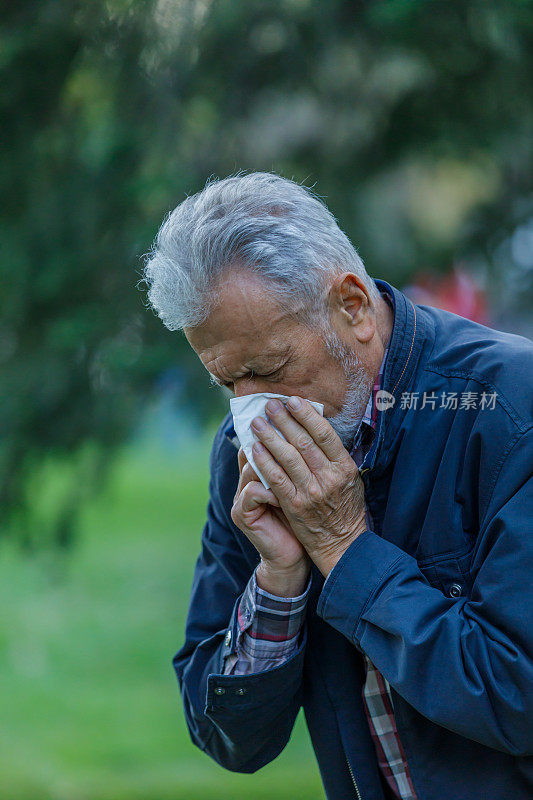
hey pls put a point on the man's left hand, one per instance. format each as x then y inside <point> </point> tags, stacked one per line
<point>314,478</point>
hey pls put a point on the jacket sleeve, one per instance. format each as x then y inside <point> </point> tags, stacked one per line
<point>242,722</point>
<point>464,663</point>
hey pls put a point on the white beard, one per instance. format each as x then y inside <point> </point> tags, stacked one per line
<point>347,422</point>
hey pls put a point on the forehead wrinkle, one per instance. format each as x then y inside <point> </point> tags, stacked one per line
<point>243,289</point>
<point>246,332</point>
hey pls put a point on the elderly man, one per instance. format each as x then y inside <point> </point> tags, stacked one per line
<point>383,580</point>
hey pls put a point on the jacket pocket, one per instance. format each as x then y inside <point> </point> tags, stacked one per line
<point>451,573</point>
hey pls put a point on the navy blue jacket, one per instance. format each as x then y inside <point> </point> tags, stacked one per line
<point>438,594</point>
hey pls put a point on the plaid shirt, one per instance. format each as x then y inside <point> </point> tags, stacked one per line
<point>269,627</point>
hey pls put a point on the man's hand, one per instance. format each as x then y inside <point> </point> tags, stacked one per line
<point>313,478</point>
<point>285,565</point>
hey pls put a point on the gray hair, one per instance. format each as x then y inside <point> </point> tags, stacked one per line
<point>258,221</point>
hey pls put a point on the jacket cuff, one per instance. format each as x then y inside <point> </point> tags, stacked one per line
<point>354,580</point>
<point>265,693</point>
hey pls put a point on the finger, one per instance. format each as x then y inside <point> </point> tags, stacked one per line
<point>275,475</point>
<point>318,427</point>
<point>254,494</point>
<point>241,459</point>
<point>248,474</point>
<point>284,452</point>
<point>297,435</point>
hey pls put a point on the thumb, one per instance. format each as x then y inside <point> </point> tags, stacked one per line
<point>254,494</point>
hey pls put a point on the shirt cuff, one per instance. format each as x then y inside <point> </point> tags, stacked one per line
<point>269,625</point>
<point>268,629</point>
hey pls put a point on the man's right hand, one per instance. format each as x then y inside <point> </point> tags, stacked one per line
<point>285,564</point>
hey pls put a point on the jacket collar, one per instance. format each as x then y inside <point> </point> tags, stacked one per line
<point>410,332</point>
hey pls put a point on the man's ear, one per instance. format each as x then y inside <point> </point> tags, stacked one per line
<point>350,303</point>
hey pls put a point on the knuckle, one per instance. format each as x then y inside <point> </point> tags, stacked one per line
<point>298,504</point>
<point>323,436</point>
<point>244,496</point>
<point>235,514</point>
<point>341,478</point>
<point>292,460</point>
<point>315,493</point>
<point>303,442</point>
<point>277,477</point>
<point>333,482</point>
<point>350,468</point>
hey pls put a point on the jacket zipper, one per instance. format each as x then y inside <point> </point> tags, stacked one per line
<point>358,793</point>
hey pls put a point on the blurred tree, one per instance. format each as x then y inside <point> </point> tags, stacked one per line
<point>413,119</point>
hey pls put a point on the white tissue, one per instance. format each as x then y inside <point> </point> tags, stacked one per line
<point>244,410</point>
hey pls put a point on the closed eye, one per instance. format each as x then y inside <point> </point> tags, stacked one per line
<point>229,384</point>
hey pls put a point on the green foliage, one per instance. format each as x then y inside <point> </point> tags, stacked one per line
<point>414,119</point>
<point>90,703</point>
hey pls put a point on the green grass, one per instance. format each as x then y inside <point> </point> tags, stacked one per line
<point>90,707</point>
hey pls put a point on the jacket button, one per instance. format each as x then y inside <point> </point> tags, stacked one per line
<point>455,590</point>
<point>220,690</point>
<point>240,690</point>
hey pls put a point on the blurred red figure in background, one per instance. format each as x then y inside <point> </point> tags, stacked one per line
<point>457,291</point>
